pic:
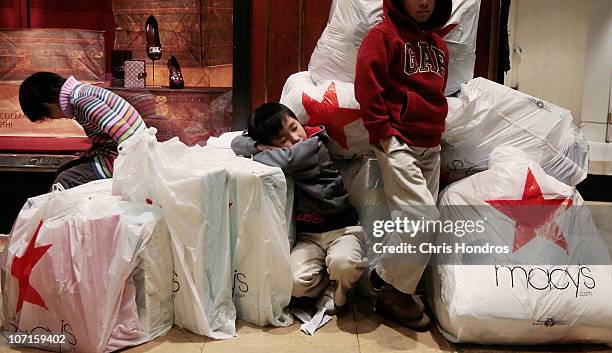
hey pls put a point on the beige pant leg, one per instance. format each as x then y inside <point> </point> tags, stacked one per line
<point>345,259</point>
<point>308,268</point>
<point>430,167</point>
<point>410,177</point>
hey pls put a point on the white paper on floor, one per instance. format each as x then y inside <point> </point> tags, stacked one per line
<point>324,305</point>
<point>311,324</point>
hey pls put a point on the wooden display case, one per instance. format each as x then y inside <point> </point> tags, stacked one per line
<point>192,114</point>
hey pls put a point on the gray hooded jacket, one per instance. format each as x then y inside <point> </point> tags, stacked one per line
<point>321,201</point>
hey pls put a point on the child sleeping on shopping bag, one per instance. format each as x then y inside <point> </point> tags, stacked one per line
<point>329,249</point>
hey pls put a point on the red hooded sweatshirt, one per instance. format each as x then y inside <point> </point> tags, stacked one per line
<point>401,73</point>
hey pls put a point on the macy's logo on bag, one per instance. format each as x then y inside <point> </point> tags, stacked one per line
<point>239,284</point>
<point>540,279</point>
<point>64,341</point>
<point>176,286</point>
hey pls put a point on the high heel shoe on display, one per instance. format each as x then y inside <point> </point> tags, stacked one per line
<point>174,73</point>
<point>154,49</point>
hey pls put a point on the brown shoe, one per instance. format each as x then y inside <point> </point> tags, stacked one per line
<point>175,77</point>
<point>407,309</point>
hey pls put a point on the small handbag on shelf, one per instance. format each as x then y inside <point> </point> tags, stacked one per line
<point>135,74</point>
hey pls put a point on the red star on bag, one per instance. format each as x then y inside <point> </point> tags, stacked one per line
<point>442,32</point>
<point>328,113</point>
<point>534,215</point>
<point>21,268</point>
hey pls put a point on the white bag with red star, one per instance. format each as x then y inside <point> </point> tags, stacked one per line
<point>332,104</point>
<point>487,114</point>
<point>69,271</point>
<point>154,273</point>
<point>552,284</point>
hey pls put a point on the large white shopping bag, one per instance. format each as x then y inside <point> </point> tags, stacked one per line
<point>259,233</point>
<point>551,285</point>
<point>227,210</point>
<point>195,201</point>
<point>336,51</point>
<point>69,267</point>
<point>153,276</point>
<point>259,217</point>
<point>486,115</point>
<point>462,29</point>
<point>335,55</point>
<point>259,229</point>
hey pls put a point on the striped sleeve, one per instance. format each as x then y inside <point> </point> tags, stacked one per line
<point>108,113</point>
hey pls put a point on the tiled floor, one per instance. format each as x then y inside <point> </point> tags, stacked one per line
<point>358,330</point>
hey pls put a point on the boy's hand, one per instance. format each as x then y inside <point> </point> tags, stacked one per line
<point>385,143</point>
<point>261,147</point>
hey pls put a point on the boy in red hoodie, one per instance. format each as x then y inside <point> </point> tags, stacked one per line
<point>400,79</point>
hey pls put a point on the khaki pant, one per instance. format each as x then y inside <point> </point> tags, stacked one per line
<point>411,181</point>
<point>339,251</point>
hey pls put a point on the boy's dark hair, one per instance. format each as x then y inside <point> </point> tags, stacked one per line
<point>39,88</point>
<point>266,121</point>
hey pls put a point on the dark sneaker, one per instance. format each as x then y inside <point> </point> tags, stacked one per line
<point>407,309</point>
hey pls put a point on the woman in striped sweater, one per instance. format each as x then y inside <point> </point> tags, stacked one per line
<point>106,118</point>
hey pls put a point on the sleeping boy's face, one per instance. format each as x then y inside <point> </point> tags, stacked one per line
<point>291,133</point>
<point>419,10</point>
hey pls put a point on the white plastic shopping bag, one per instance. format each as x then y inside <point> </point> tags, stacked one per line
<point>260,245</point>
<point>461,42</point>
<point>553,282</point>
<point>227,217</point>
<point>68,271</point>
<point>350,20</point>
<point>487,115</point>
<point>195,202</point>
<point>259,229</point>
<point>153,276</point>
<point>336,51</point>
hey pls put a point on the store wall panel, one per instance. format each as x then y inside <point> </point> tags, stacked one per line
<point>63,51</point>
<point>90,15</point>
<point>13,14</point>
<point>283,36</point>
<point>283,50</point>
